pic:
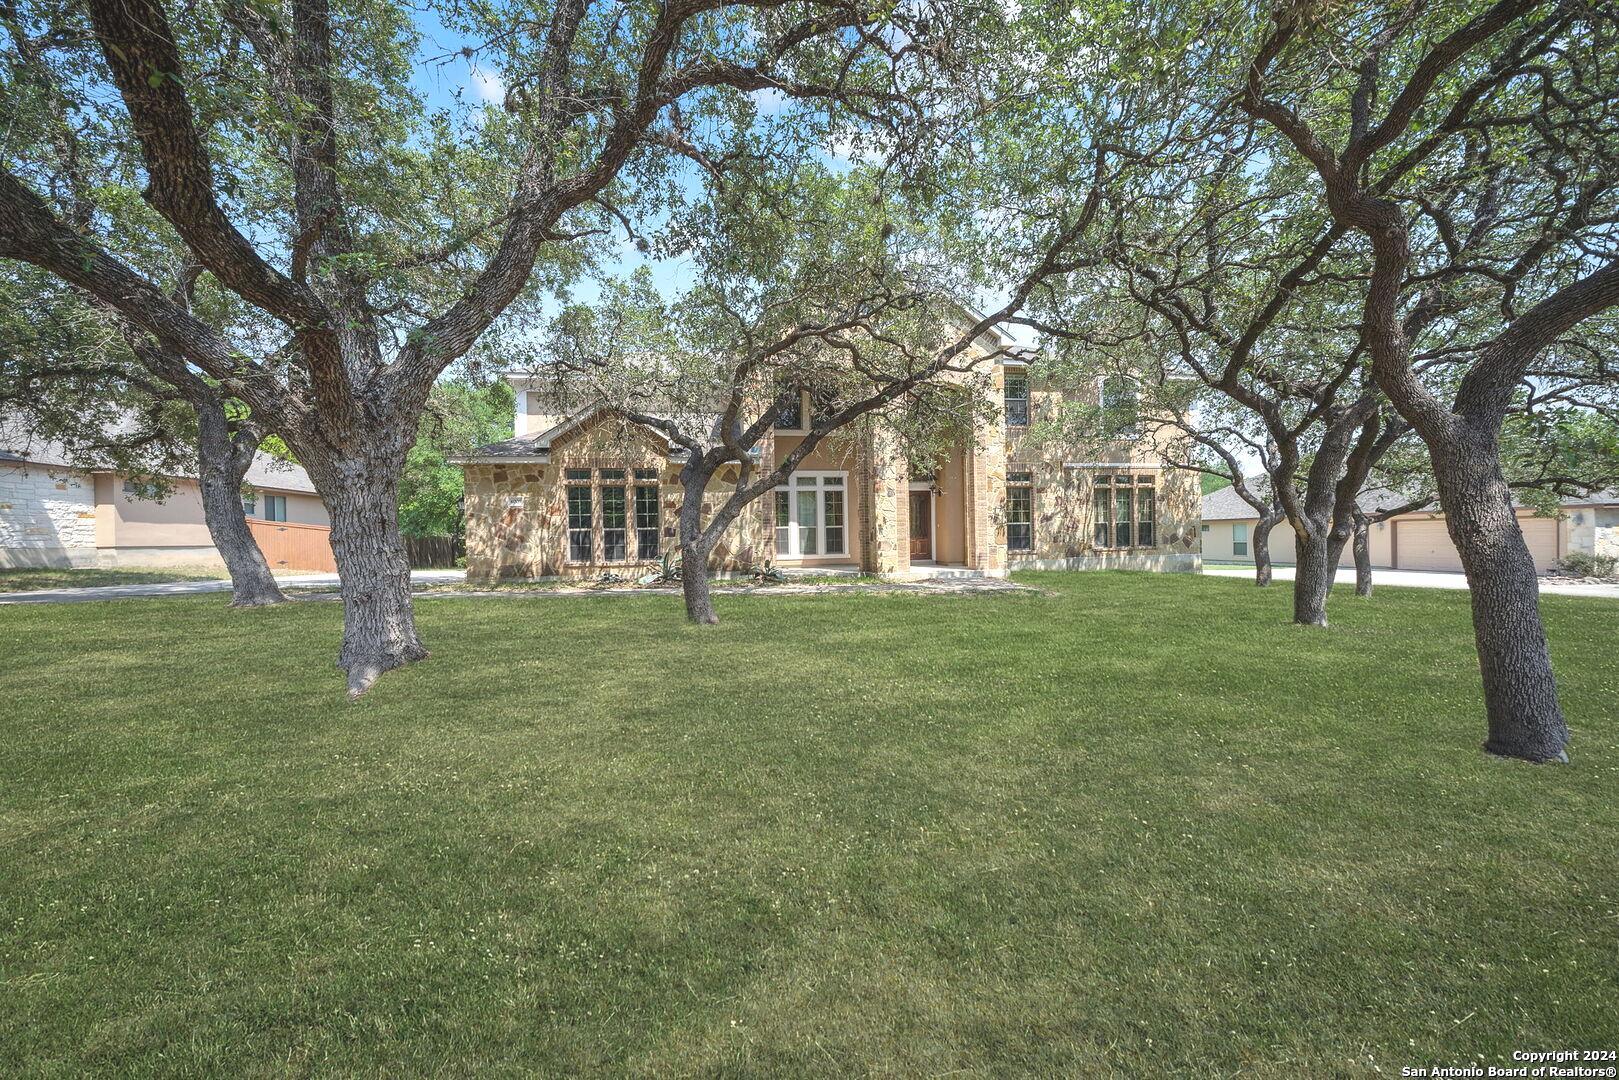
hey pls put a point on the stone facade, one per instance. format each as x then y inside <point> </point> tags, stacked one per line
<point>884,478</point>
<point>1605,531</point>
<point>1594,530</point>
<point>517,511</point>
<point>516,496</point>
<point>47,517</point>
<point>1065,481</point>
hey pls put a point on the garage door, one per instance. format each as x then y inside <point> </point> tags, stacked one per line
<point>1425,545</point>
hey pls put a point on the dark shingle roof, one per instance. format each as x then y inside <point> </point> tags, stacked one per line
<point>1227,505</point>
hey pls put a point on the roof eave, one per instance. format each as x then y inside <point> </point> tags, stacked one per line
<point>501,459</point>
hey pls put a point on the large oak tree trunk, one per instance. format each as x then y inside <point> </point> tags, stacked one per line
<point>379,626</point>
<point>221,463</point>
<point>694,585</point>
<point>1520,693</point>
<point>1315,566</point>
<point>694,554</point>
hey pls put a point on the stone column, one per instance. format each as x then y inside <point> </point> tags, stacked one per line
<point>885,503</point>
<point>765,551</point>
<point>985,476</point>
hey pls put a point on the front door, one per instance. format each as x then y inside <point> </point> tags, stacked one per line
<point>921,524</point>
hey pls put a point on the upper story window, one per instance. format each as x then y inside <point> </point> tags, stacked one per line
<point>1016,397</point>
<point>1120,402</point>
<point>1019,510</point>
<point>1124,513</point>
<point>790,412</point>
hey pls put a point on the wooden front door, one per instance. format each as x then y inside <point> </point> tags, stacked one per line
<point>921,524</point>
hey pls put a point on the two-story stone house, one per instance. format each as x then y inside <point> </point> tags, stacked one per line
<point>578,494</point>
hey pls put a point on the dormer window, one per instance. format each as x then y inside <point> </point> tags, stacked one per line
<point>1016,398</point>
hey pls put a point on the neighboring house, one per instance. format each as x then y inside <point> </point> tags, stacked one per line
<point>1417,541</point>
<point>576,494</point>
<point>54,513</point>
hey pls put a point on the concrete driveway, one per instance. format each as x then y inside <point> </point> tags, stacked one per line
<point>190,588</point>
<point>1414,579</point>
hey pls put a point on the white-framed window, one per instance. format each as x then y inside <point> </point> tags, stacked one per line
<point>1020,509</point>
<point>275,508</point>
<point>1015,396</point>
<point>648,519</point>
<point>812,515</point>
<point>1239,538</point>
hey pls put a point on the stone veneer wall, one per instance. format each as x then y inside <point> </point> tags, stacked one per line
<point>1063,509</point>
<point>885,536</point>
<point>531,541</point>
<point>985,473</point>
<point>504,541</point>
<point>1606,540</point>
<point>47,517</point>
<point>1594,529</point>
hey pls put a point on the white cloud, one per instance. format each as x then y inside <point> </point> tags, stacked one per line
<point>863,148</point>
<point>769,101</point>
<point>487,85</point>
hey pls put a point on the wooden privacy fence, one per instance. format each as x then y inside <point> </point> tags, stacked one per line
<point>288,545</point>
<point>430,552</point>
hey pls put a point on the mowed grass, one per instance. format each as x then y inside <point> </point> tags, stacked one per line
<point>1136,825</point>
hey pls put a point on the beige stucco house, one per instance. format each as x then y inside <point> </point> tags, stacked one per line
<point>55,513</point>
<point>577,494</point>
<point>1416,541</point>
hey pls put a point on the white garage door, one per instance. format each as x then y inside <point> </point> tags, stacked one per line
<point>1425,545</point>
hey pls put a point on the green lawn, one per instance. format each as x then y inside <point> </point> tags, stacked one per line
<point>1138,826</point>
<point>31,578</point>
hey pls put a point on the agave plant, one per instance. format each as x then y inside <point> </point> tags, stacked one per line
<point>667,573</point>
<point>768,574</point>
